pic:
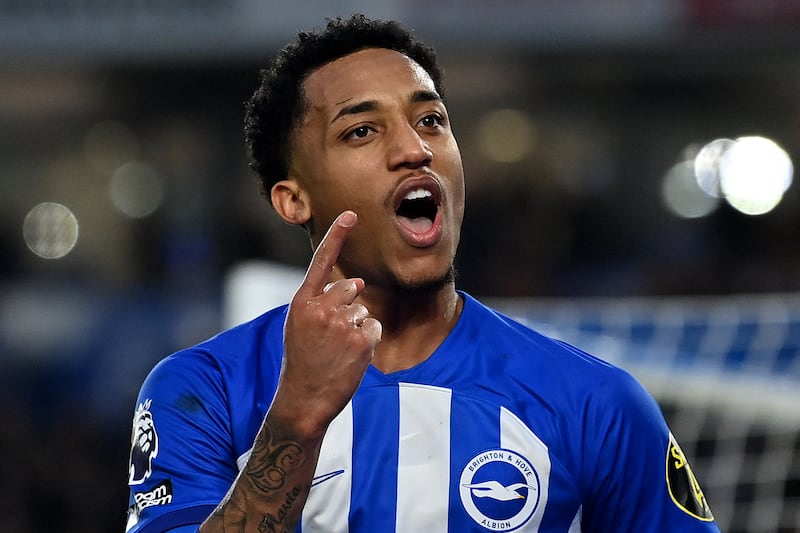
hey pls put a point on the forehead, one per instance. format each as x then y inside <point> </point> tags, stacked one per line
<point>366,74</point>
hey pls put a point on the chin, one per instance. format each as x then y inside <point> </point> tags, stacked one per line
<point>427,285</point>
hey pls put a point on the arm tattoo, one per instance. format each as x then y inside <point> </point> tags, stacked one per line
<point>271,461</point>
<point>273,524</point>
<point>267,470</point>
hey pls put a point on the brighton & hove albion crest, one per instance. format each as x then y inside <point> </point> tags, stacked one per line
<point>500,489</point>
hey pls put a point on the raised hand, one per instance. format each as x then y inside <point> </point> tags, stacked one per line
<point>329,339</point>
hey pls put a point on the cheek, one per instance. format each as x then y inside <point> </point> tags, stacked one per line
<point>330,201</point>
<point>352,174</point>
<point>450,156</point>
<point>455,173</point>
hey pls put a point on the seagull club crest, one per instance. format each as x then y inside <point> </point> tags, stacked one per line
<point>499,489</point>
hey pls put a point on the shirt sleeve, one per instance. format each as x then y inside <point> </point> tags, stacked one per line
<point>181,461</point>
<point>639,480</point>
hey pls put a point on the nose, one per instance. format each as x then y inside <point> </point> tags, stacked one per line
<point>408,149</point>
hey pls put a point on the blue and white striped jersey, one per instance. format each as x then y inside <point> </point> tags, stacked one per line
<point>501,429</point>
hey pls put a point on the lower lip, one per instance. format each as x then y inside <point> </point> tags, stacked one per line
<point>425,239</point>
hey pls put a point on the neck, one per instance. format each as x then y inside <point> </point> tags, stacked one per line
<point>414,323</point>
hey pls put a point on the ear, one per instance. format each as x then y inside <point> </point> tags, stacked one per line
<point>291,202</point>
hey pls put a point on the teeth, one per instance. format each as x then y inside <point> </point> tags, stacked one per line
<point>416,194</point>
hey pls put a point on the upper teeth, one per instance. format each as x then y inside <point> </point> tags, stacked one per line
<point>416,194</point>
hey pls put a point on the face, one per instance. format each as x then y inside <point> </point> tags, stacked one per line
<point>376,139</point>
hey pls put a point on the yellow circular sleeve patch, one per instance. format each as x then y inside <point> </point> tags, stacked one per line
<point>684,489</point>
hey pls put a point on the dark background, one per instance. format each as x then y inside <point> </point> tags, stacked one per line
<point>615,93</point>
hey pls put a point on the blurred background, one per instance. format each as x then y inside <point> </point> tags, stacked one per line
<point>613,149</point>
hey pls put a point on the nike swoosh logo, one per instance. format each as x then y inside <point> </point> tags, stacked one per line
<point>325,477</point>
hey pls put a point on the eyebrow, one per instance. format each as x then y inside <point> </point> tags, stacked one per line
<point>425,96</point>
<point>354,109</point>
<point>372,105</point>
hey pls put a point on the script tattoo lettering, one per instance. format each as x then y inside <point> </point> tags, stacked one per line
<point>271,523</point>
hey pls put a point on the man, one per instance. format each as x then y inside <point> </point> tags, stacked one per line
<point>381,399</point>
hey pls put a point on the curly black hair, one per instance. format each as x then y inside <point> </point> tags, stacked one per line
<point>275,108</point>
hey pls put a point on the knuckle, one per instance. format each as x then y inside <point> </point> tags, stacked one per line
<point>317,314</point>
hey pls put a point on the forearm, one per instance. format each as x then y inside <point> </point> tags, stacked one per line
<point>271,490</point>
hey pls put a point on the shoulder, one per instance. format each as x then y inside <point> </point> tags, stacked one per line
<point>238,350</point>
<point>580,383</point>
<point>498,332</point>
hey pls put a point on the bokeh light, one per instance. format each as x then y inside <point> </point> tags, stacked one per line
<point>706,165</point>
<point>50,230</point>
<point>750,173</point>
<point>136,189</point>
<point>754,174</point>
<point>683,196</point>
<point>506,135</point>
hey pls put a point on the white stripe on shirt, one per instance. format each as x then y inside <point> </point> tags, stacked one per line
<point>515,435</point>
<point>329,500</point>
<point>424,458</point>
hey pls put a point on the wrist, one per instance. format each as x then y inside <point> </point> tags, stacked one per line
<point>297,421</point>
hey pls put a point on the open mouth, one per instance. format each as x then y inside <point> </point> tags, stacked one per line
<point>417,210</point>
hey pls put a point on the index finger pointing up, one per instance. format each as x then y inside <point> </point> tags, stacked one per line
<point>327,253</point>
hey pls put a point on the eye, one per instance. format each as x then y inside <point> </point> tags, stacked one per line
<point>433,120</point>
<point>360,132</point>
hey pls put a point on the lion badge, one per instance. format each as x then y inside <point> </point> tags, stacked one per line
<point>144,445</point>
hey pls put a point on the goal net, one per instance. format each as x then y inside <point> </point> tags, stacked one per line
<point>726,372</point>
